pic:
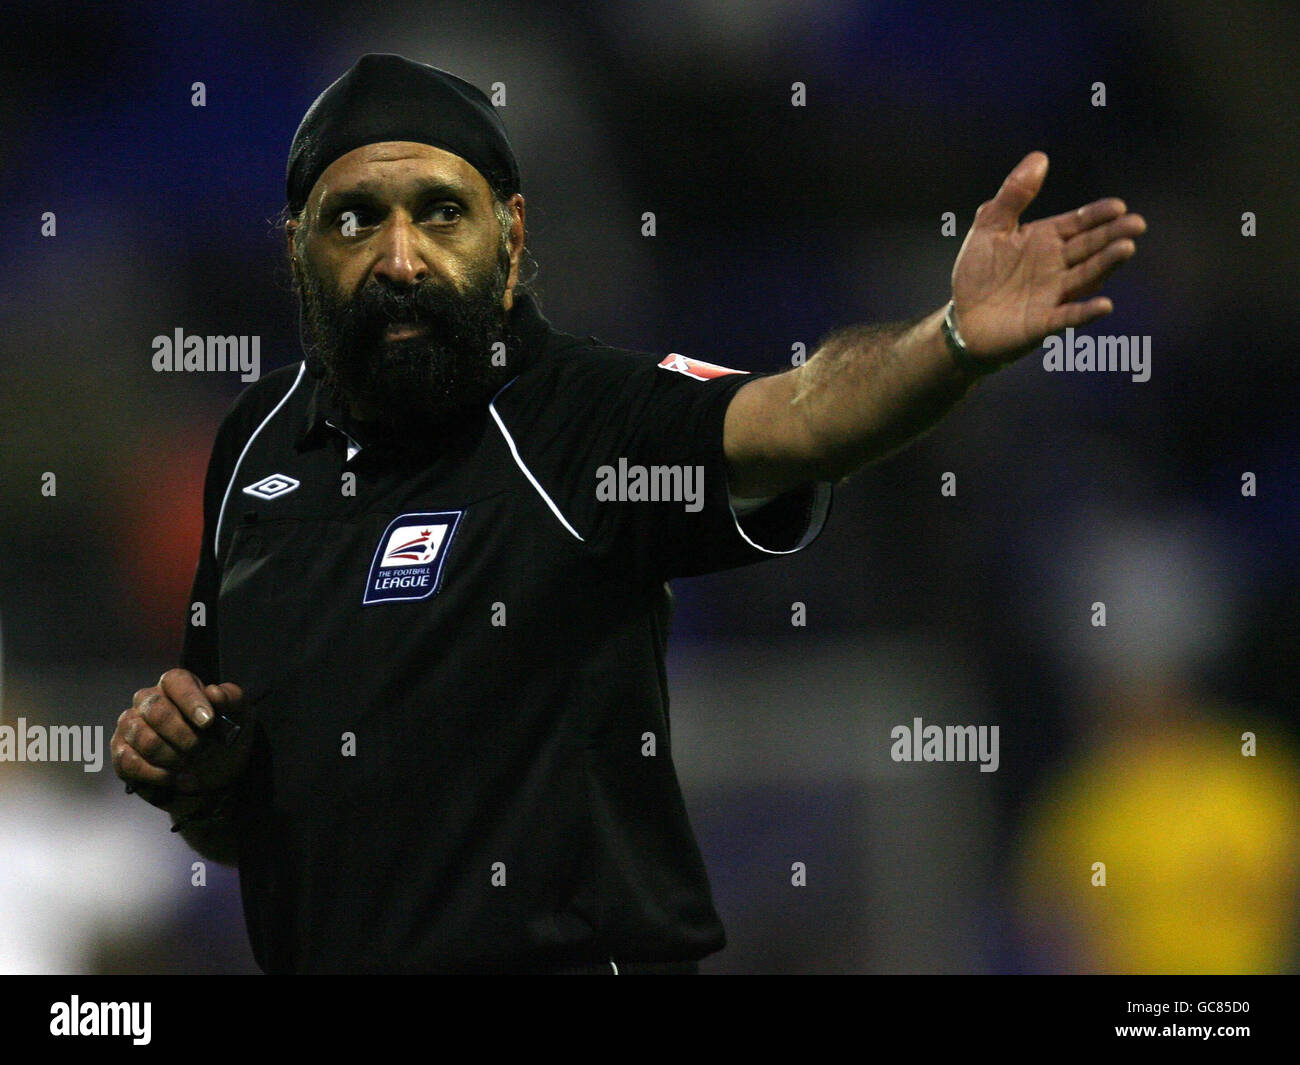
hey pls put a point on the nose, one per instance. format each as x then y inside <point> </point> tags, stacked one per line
<point>400,261</point>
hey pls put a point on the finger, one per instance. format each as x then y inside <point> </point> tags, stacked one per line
<point>163,716</point>
<point>130,765</point>
<point>146,742</point>
<point>1099,212</point>
<point>232,714</point>
<point>239,706</point>
<point>1017,193</point>
<point>1077,314</point>
<point>225,695</point>
<point>1101,265</point>
<point>1092,287</point>
<point>183,689</point>
<point>1091,241</point>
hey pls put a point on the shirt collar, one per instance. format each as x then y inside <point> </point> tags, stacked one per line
<point>323,416</point>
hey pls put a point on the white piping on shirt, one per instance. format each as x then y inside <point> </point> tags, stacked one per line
<point>216,536</point>
<point>510,442</point>
<point>820,508</point>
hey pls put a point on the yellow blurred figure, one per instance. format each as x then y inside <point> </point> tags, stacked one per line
<point>1201,851</point>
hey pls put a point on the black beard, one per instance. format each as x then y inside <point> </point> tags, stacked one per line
<point>423,386</point>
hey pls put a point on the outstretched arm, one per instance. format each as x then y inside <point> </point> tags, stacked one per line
<point>867,390</point>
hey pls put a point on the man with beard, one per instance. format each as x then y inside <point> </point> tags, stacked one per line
<point>427,714</point>
<point>405,352</point>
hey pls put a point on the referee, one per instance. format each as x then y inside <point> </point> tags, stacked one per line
<point>427,716</point>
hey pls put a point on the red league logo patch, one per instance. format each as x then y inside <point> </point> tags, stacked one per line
<point>701,371</point>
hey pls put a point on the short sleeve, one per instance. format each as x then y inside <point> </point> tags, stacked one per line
<point>633,460</point>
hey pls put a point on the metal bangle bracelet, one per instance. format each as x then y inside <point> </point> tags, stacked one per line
<point>957,346</point>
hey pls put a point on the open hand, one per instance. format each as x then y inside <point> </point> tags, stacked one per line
<point>1014,284</point>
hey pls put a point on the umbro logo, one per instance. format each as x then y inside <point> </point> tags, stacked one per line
<point>272,487</point>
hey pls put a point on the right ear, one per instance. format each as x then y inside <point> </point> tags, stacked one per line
<point>290,231</point>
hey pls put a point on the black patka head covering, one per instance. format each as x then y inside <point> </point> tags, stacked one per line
<point>390,98</point>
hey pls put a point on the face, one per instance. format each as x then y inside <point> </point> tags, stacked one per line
<point>406,275</point>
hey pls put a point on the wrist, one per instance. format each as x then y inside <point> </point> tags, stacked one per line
<point>969,366</point>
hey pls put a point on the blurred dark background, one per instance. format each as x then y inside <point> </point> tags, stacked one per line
<point>775,224</point>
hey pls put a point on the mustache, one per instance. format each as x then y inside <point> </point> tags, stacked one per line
<point>378,305</point>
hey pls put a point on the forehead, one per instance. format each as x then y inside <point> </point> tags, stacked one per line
<point>397,166</point>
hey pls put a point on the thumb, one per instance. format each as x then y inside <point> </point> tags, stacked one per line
<point>1016,194</point>
<point>227,699</point>
<point>223,694</point>
<point>232,713</point>
<point>232,691</point>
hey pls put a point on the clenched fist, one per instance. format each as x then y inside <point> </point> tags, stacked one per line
<point>181,744</point>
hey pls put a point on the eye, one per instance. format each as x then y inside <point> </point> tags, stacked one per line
<point>353,218</point>
<point>445,212</point>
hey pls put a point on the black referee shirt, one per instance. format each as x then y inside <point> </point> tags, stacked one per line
<point>457,660</point>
